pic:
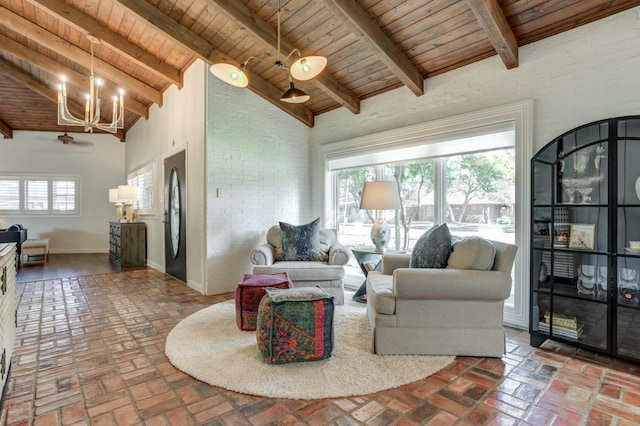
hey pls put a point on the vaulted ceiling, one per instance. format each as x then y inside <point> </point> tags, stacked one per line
<point>372,46</point>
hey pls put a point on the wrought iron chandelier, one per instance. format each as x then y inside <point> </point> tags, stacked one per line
<point>305,68</point>
<point>91,119</point>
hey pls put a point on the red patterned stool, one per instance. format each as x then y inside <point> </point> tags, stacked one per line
<point>295,325</point>
<point>250,291</point>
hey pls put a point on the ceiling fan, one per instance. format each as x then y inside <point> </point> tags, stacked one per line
<point>67,139</point>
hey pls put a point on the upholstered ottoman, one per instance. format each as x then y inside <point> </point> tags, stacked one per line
<point>295,325</point>
<point>250,291</point>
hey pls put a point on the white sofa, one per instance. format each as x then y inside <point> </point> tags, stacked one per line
<point>327,273</point>
<point>440,311</point>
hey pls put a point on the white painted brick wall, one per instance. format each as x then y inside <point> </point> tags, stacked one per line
<point>574,78</point>
<point>259,158</point>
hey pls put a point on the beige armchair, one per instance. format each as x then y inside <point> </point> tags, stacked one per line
<point>439,311</point>
<point>327,273</point>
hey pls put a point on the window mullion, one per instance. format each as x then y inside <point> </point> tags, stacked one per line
<point>440,190</point>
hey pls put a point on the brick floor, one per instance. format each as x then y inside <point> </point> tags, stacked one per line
<point>90,350</point>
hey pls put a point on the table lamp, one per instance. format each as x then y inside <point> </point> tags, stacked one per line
<point>128,194</point>
<point>113,198</point>
<point>380,195</point>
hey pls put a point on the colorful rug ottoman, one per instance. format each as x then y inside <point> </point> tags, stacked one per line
<point>295,325</point>
<point>250,291</point>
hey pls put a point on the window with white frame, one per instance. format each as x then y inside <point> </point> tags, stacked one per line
<point>53,195</point>
<point>142,177</point>
<point>434,161</point>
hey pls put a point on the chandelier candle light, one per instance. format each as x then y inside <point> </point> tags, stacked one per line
<point>303,69</point>
<point>92,104</point>
<point>380,195</point>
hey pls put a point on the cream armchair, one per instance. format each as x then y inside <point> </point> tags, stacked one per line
<point>440,311</point>
<point>327,273</point>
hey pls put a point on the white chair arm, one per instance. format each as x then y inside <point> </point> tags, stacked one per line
<point>263,255</point>
<point>339,254</point>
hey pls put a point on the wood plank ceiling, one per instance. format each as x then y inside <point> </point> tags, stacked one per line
<point>372,46</point>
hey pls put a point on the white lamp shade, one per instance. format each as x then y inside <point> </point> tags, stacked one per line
<point>128,193</point>
<point>230,74</point>
<point>380,195</point>
<point>113,195</point>
<point>308,67</point>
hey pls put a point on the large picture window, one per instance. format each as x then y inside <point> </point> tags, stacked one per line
<point>478,199</point>
<point>37,195</point>
<point>470,171</point>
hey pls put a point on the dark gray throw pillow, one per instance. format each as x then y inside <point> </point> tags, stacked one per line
<point>301,242</point>
<point>432,249</point>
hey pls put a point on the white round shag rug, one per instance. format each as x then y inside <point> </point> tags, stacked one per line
<point>209,346</point>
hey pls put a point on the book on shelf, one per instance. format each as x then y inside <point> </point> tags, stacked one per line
<point>560,320</point>
<point>561,331</point>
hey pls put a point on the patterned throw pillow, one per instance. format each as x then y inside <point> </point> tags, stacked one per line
<point>432,249</point>
<point>301,242</point>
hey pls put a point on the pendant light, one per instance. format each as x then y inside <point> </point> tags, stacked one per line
<point>305,68</point>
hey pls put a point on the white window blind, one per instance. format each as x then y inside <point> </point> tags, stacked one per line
<point>64,195</point>
<point>39,195</point>
<point>36,197</point>
<point>9,194</point>
<point>143,179</point>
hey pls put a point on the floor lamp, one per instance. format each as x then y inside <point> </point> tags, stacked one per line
<point>380,195</point>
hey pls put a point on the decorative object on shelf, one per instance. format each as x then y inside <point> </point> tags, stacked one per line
<point>634,245</point>
<point>587,279</point>
<point>303,69</point>
<point>582,236</point>
<point>601,282</point>
<point>560,234</point>
<point>582,178</point>
<point>380,195</point>
<point>91,119</point>
<point>113,198</point>
<point>628,283</point>
<point>592,280</point>
<point>128,194</point>
<point>638,188</point>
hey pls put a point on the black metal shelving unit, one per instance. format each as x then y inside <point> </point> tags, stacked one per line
<point>585,205</point>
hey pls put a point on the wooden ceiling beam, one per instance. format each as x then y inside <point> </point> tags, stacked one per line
<point>6,130</point>
<point>210,54</point>
<point>250,21</point>
<point>74,17</point>
<point>73,53</point>
<point>495,25</point>
<point>361,24</point>
<point>81,81</point>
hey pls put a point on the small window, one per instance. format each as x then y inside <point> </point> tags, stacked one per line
<point>143,179</point>
<point>39,195</point>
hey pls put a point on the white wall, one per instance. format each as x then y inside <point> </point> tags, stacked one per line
<point>258,162</point>
<point>574,78</point>
<point>176,126</point>
<point>100,167</point>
